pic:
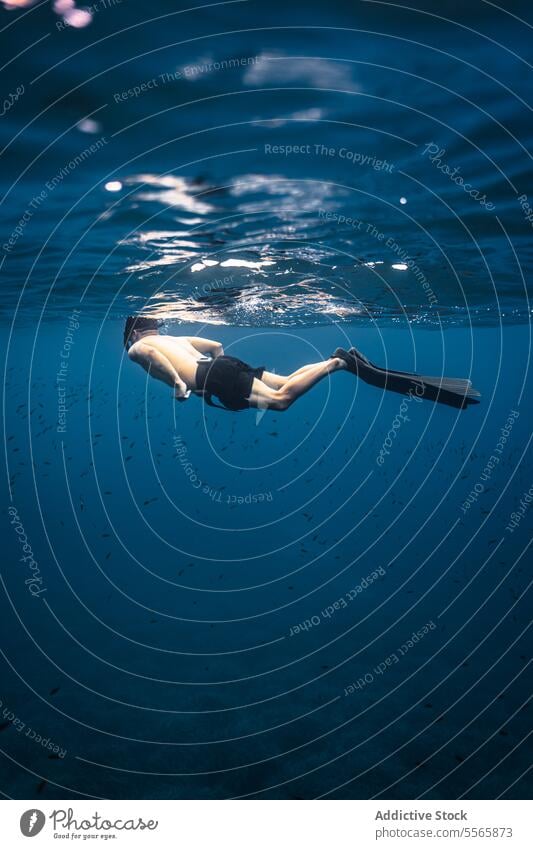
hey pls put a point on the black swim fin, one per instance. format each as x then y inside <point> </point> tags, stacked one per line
<point>454,391</point>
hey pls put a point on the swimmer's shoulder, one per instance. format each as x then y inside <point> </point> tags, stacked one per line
<point>140,347</point>
<point>163,343</point>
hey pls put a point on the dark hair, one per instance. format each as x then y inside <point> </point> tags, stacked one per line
<point>138,322</point>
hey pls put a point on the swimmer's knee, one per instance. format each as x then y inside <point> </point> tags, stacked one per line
<point>281,401</point>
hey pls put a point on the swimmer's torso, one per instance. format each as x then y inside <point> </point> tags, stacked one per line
<point>181,354</point>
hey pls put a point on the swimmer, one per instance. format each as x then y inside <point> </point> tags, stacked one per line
<point>193,365</point>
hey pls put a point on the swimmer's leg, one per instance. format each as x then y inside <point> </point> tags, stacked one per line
<point>276,381</point>
<point>264,397</point>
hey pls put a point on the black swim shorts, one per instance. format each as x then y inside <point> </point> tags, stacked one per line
<point>229,378</point>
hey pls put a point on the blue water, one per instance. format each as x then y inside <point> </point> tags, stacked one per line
<point>221,604</point>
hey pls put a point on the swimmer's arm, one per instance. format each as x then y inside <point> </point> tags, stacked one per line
<point>206,346</point>
<point>157,365</point>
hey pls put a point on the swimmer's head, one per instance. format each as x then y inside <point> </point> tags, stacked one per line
<point>137,326</point>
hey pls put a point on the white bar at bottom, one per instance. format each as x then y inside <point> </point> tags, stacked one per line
<point>267,824</point>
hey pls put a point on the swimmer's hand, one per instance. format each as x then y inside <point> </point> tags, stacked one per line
<point>182,393</point>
